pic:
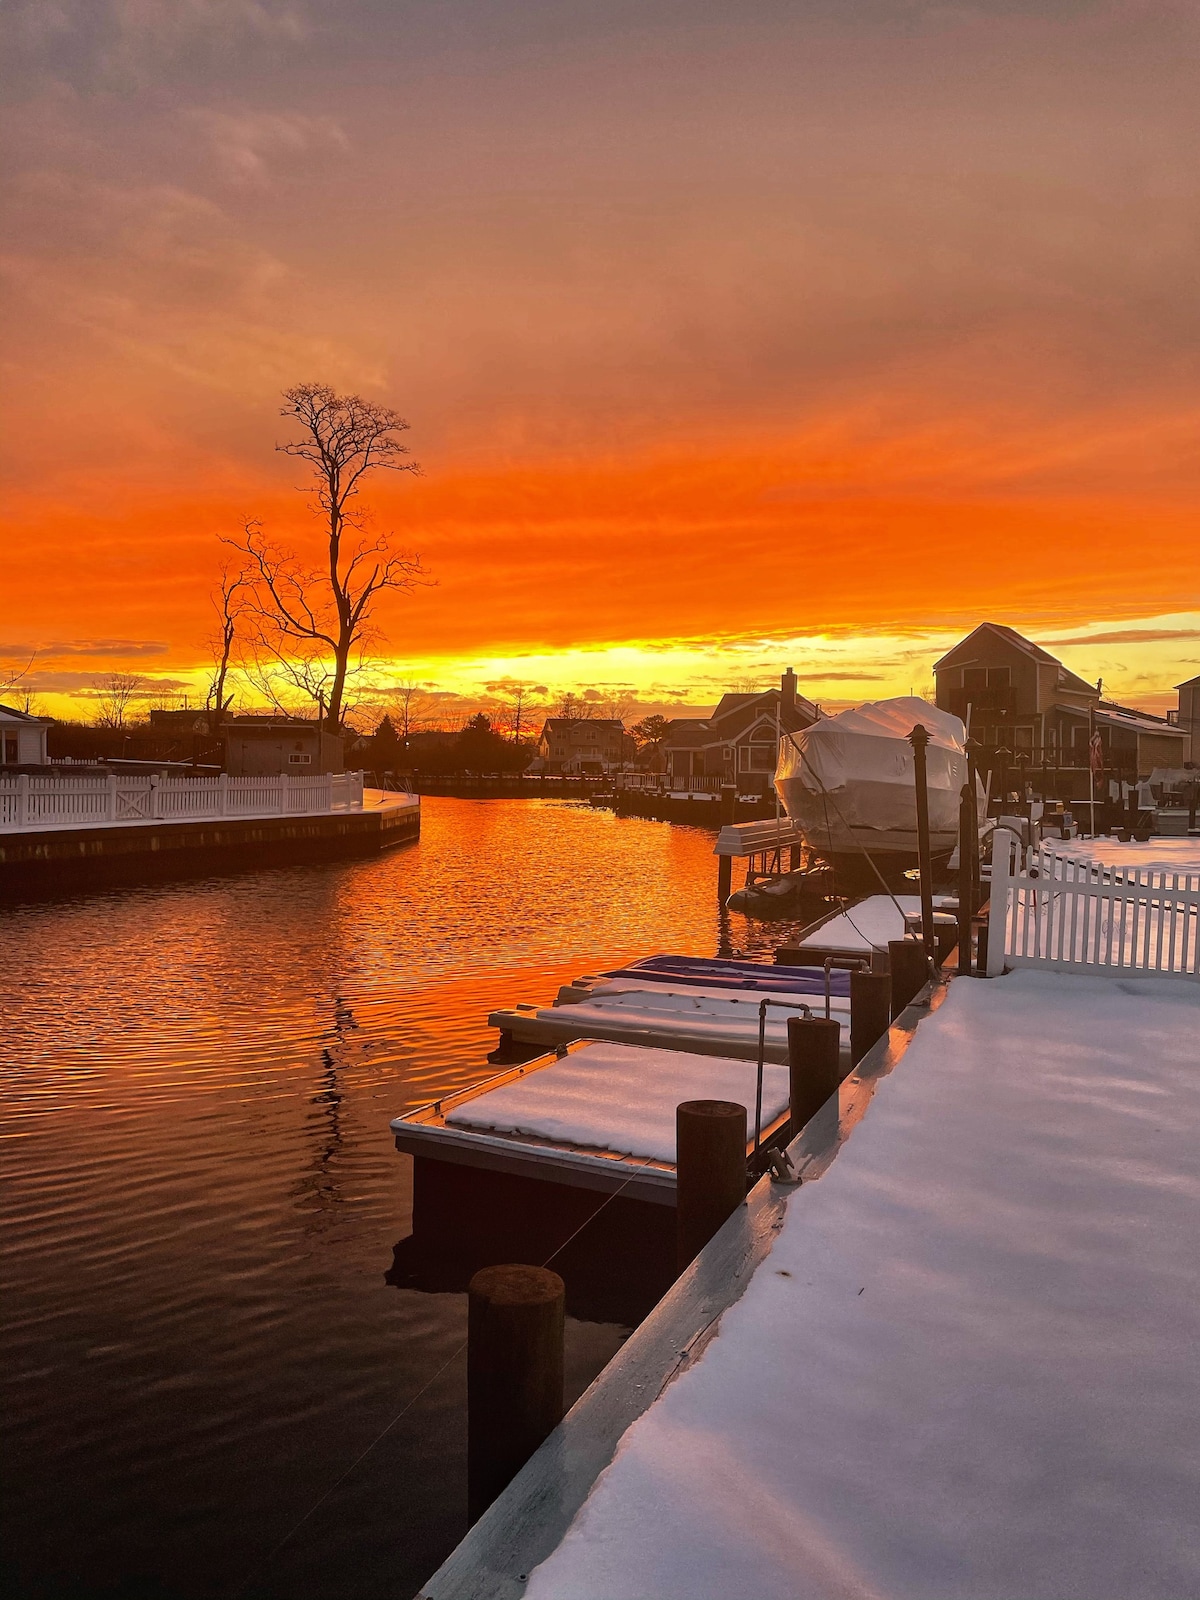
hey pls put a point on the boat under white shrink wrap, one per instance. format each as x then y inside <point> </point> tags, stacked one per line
<point>848,781</point>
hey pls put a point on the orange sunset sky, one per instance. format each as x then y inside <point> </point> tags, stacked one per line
<point>731,336</point>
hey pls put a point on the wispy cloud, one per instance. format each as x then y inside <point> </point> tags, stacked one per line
<point>249,145</point>
<point>1127,636</point>
<point>56,649</point>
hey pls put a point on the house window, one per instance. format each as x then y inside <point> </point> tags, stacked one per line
<point>999,678</point>
<point>300,761</point>
<point>974,678</point>
<point>1023,738</point>
<point>756,758</point>
<point>10,750</point>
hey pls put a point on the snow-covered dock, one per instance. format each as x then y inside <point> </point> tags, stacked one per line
<point>963,1363</point>
<point>598,1116</point>
<point>869,925</point>
<point>74,833</point>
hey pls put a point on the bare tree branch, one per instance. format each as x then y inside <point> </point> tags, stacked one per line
<point>307,616</point>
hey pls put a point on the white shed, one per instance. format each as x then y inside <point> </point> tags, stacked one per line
<point>22,738</point>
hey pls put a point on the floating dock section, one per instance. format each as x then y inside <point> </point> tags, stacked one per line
<point>594,1115</point>
<point>718,1008</point>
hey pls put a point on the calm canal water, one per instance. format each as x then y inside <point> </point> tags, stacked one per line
<point>200,1196</point>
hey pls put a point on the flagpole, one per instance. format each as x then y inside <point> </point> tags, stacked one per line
<point>1091,772</point>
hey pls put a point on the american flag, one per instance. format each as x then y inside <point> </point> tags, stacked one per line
<point>1096,753</point>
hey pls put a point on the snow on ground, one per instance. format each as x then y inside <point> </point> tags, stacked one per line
<point>621,1097</point>
<point>1175,855</point>
<point>871,922</point>
<point>967,1368</point>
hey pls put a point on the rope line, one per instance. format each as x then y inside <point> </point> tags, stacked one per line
<point>407,1407</point>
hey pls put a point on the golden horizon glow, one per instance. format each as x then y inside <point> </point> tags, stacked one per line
<point>796,337</point>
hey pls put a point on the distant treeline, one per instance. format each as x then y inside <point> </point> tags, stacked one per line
<point>476,747</point>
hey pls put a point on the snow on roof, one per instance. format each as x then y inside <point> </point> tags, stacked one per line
<point>23,716</point>
<point>967,1365</point>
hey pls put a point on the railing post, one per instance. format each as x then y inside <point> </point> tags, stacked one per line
<point>155,799</point>
<point>1001,884</point>
<point>111,784</point>
<point>284,788</point>
<point>222,794</point>
<point>22,800</point>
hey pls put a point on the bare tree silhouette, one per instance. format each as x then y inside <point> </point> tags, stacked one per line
<point>313,623</point>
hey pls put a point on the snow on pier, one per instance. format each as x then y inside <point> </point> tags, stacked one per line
<point>967,1365</point>
<point>619,1098</point>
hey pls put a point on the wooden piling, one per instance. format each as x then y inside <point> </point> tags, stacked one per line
<point>710,1170</point>
<point>814,1066</point>
<point>910,972</point>
<point>514,1374</point>
<point>725,863</point>
<point>968,844</point>
<point>870,1011</point>
<point>919,739</point>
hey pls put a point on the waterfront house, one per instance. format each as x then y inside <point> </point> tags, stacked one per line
<point>1186,717</point>
<point>583,746</point>
<point>737,743</point>
<point>271,745</point>
<point>1017,697</point>
<point>22,738</point>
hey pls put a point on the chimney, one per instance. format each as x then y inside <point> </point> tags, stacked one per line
<point>787,691</point>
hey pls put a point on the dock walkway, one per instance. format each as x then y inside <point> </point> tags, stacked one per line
<point>84,852</point>
<point>963,1361</point>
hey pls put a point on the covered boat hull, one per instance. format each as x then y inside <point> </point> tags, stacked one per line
<point>849,782</point>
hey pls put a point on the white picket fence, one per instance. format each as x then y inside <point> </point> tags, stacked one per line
<point>33,801</point>
<point>1089,916</point>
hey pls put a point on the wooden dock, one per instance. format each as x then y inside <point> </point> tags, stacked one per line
<point>489,1128</point>
<point>54,860</point>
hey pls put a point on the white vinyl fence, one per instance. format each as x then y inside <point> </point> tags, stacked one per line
<point>1089,916</point>
<point>33,801</point>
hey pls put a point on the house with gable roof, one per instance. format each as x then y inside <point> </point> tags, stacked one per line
<point>737,743</point>
<point>1016,696</point>
<point>22,738</point>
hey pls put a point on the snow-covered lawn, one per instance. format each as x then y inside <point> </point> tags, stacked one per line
<point>1171,855</point>
<point>621,1098</point>
<point>968,1366</point>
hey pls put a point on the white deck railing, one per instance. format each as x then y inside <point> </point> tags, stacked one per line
<point>1089,916</point>
<point>33,801</point>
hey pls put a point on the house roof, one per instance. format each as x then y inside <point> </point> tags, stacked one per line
<point>269,725</point>
<point>1108,714</point>
<point>1066,678</point>
<point>561,725</point>
<point>1190,683</point>
<point>25,717</point>
<point>688,733</point>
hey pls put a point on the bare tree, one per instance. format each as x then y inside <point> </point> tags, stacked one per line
<point>15,678</point>
<point>409,705</point>
<point>228,598</point>
<point>571,708</point>
<point>115,693</point>
<point>518,704</point>
<point>324,616</point>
